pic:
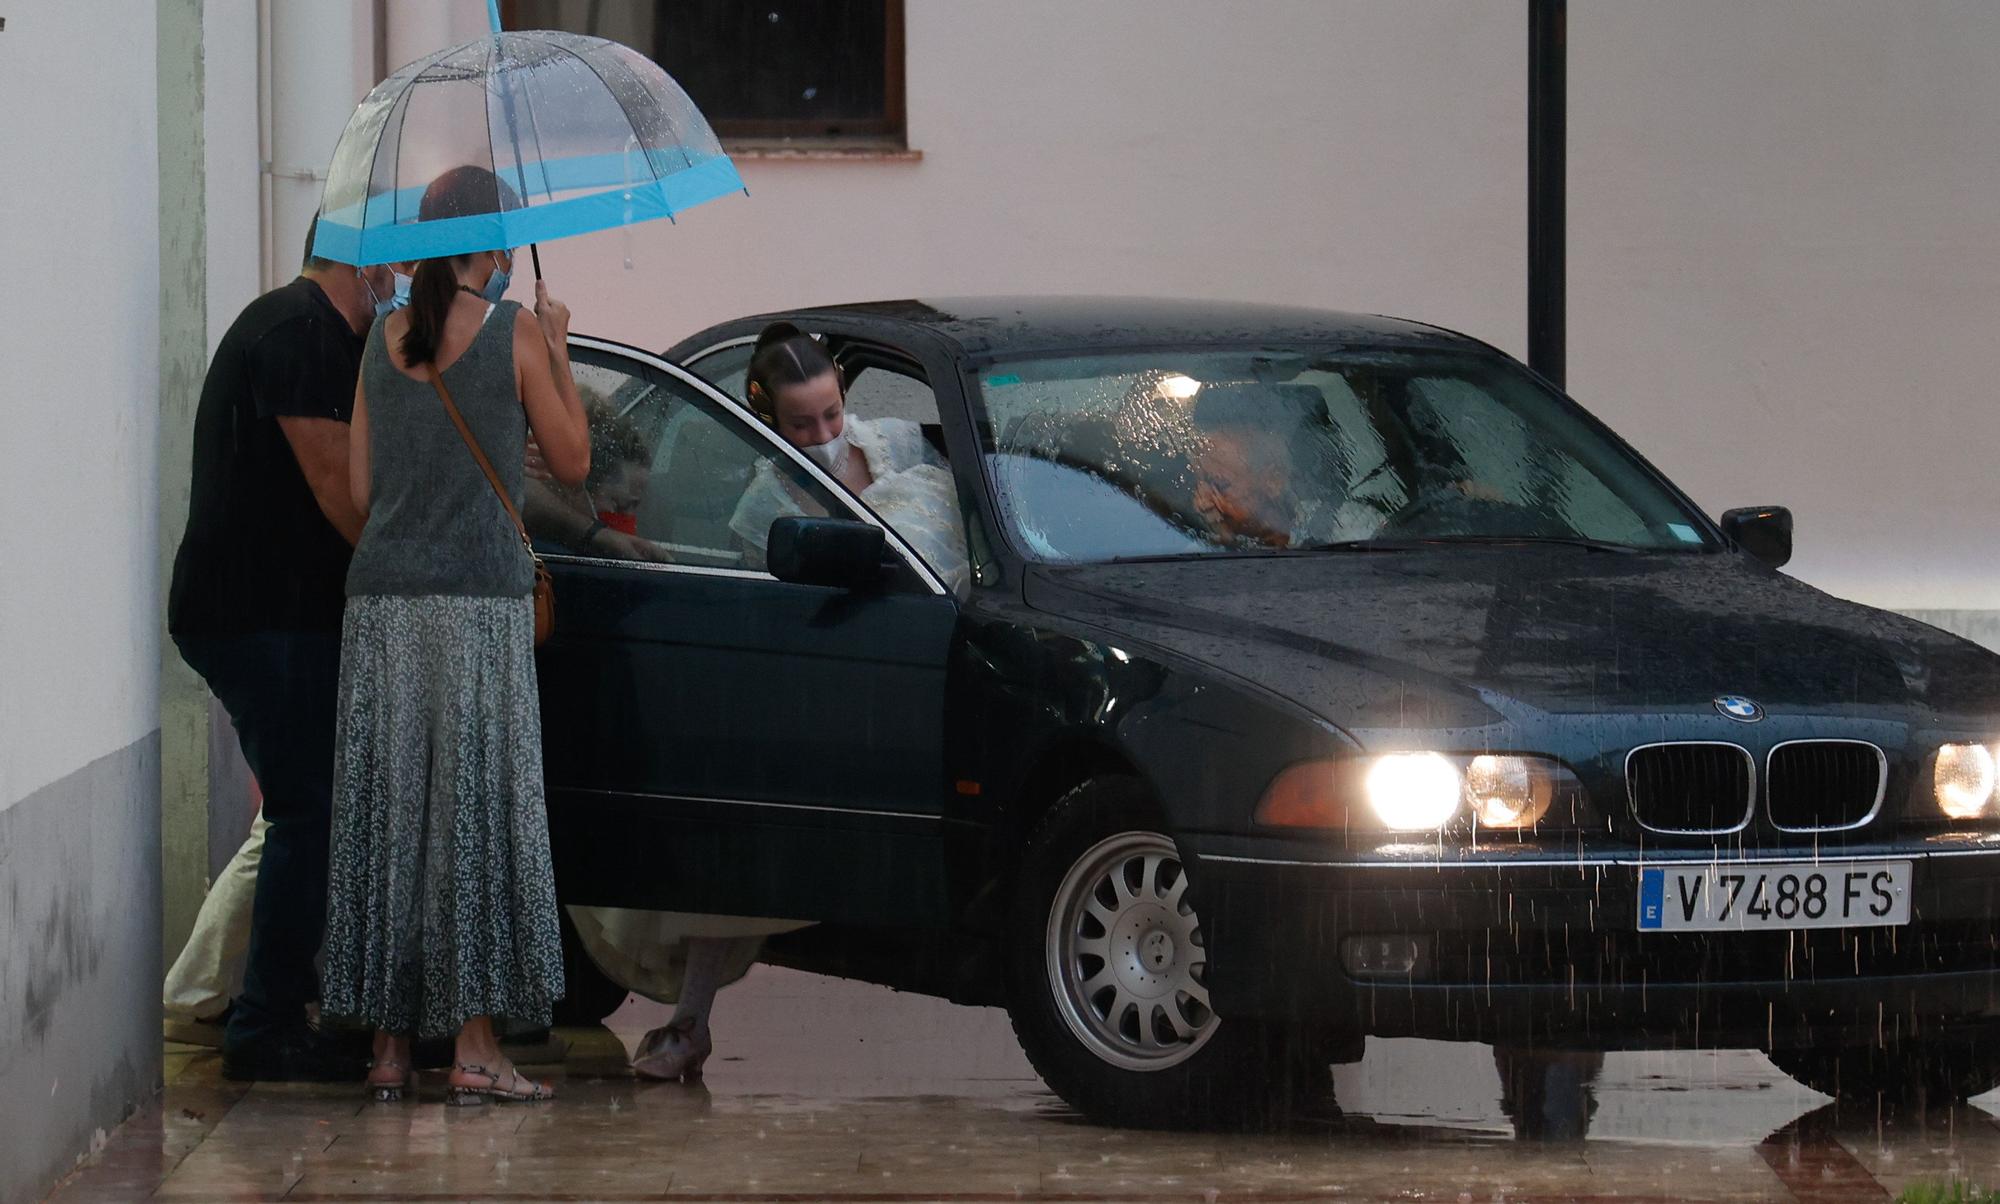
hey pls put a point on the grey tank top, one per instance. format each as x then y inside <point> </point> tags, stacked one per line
<point>434,525</point>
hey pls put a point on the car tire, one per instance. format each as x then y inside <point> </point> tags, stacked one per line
<point>1127,1038</point>
<point>1934,1072</point>
<point>588,996</point>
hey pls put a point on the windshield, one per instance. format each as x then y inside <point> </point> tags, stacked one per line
<point>1159,453</point>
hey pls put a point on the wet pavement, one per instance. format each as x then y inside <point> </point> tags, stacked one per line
<point>829,1090</point>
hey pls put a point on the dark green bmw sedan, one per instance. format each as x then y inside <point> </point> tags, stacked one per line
<point>1307,677</point>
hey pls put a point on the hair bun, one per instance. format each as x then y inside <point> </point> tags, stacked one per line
<point>775,333</point>
<point>785,355</point>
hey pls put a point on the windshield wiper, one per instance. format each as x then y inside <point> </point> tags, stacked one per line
<point>1401,544</point>
<point>1367,545</point>
<point>1418,543</point>
<point>1211,554</point>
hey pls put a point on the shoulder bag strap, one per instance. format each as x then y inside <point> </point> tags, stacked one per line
<point>485,465</point>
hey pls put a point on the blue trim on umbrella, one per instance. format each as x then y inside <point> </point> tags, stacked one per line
<point>611,170</point>
<point>376,238</point>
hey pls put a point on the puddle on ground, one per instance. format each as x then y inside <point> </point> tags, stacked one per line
<point>863,1041</point>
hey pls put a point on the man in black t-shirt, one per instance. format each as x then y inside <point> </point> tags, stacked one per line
<point>255,609</point>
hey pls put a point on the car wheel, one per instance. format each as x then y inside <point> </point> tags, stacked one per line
<point>1108,987</point>
<point>1915,1073</point>
<point>588,996</point>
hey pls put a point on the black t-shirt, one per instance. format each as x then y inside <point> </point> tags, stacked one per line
<point>258,554</point>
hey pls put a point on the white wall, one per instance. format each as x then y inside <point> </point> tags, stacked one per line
<point>1347,154</point>
<point>79,237</point>
<point>1785,271</point>
<point>81,241</point>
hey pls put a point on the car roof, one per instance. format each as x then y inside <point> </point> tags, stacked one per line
<point>1008,325</point>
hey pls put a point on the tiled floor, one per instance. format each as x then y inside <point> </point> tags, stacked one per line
<point>825,1090</point>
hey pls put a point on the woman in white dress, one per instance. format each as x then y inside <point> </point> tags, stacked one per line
<point>794,386</point>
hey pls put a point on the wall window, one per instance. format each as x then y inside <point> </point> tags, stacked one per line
<point>826,73</point>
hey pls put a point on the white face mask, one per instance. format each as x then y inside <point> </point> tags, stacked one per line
<point>831,455</point>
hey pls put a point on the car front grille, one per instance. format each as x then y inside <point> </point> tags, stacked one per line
<point>1824,785</point>
<point>1692,788</point>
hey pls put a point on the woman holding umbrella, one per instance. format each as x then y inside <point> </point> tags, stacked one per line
<point>442,903</point>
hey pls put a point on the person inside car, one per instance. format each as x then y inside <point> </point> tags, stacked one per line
<point>602,518</point>
<point>1249,490</point>
<point>797,389</point>
<point>1267,474</point>
<point>1242,487</point>
<point>621,466</point>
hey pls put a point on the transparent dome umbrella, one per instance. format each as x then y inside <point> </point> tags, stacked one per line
<point>579,133</point>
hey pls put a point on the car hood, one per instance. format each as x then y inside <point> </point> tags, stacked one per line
<point>1465,635</point>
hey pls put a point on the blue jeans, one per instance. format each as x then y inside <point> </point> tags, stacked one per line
<point>280,689</point>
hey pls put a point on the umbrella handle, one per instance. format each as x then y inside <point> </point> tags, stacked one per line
<point>535,253</point>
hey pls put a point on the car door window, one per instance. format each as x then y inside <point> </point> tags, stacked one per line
<point>875,393</point>
<point>669,469</point>
<point>918,497</point>
<point>727,367</point>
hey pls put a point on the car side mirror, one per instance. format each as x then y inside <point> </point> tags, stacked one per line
<point>1763,531</point>
<point>835,552</point>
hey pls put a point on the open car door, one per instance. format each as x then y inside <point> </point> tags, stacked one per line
<point>717,740</point>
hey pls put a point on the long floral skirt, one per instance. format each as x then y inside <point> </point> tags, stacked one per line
<point>441,901</point>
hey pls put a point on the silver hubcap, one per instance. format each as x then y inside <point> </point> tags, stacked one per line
<point>1125,955</point>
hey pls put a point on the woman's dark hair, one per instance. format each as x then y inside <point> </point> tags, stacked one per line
<point>461,192</point>
<point>785,355</point>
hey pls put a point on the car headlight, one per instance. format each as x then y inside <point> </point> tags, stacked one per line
<point>1508,792</point>
<point>1964,780</point>
<point>1413,792</point>
<point>1311,794</point>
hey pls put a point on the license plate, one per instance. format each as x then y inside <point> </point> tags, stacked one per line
<point>1740,898</point>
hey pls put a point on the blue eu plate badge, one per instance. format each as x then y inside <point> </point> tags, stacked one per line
<point>1652,898</point>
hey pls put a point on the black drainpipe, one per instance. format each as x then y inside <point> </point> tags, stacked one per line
<point>1548,104</point>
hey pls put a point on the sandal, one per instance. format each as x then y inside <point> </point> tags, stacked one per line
<point>519,1087</point>
<point>673,1052</point>
<point>388,1091</point>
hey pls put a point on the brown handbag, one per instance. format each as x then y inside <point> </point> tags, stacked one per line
<point>545,586</point>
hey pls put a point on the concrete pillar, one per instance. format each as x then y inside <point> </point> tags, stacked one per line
<point>233,132</point>
<point>416,30</point>
<point>313,89</point>
<point>184,701</point>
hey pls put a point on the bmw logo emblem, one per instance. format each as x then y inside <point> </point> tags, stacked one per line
<point>1739,708</point>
